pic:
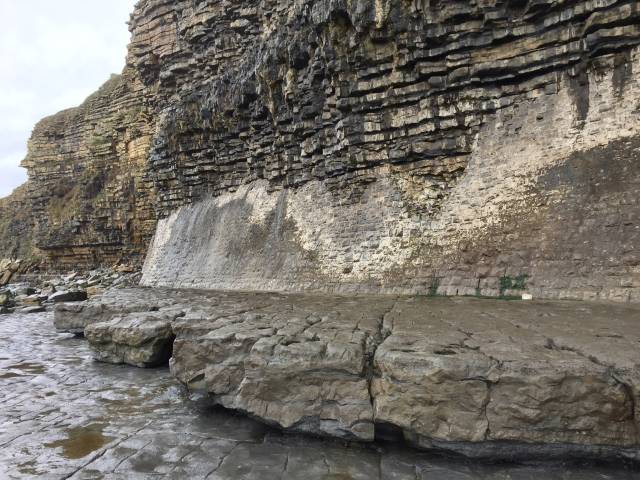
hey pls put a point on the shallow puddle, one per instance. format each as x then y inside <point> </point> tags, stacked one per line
<point>81,441</point>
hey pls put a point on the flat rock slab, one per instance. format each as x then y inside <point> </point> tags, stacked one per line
<point>485,378</point>
<point>74,317</point>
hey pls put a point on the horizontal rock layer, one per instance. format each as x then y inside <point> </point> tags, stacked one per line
<point>90,204</point>
<point>394,146</point>
<point>373,146</point>
<point>484,378</point>
<point>16,225</point>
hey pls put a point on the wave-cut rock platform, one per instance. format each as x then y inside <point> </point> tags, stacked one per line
<point>485,378</point>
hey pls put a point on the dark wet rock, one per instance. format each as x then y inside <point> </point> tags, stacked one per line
<point>34,309</point>
<point>72,296</point>
<point>485,378</point>
<point>139,339</point>
<point>6,298</point>
<point>24,290</point>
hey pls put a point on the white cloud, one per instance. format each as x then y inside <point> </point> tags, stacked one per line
<point>52,56</point>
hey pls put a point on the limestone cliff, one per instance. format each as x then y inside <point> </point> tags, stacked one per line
<point>400,146</point>
<point>86,179</point>
<point>409,146</point>
<point>16,225</point>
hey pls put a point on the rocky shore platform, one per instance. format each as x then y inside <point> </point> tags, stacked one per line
<point>492,379</point>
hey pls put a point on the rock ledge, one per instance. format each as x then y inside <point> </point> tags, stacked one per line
<point>484,378</point>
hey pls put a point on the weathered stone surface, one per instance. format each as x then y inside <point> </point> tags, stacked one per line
<point>86,166</point>
<point>476,371</point>
<point>484,378</point>
<point>298,362</point>
<point>74,317</point>
<point>65,416</point>
<point>394,147</point>
<point>142,339</point>
<point>16,226</point>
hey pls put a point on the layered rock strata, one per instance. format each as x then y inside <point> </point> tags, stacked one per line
<point>143,340</point>
<point>395,146</point>
<point>483,378</point>
<point>16,226</point>
<point>91,204</point>
<point>368,146</point>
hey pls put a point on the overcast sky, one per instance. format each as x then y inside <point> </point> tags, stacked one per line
<point>53,54</point>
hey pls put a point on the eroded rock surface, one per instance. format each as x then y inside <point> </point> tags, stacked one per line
<point>142,339</point>
<point>394,146</point>
<point>465,370</point>
<point>484,378</point>
<point>300,362</point>
<point>139,424</point>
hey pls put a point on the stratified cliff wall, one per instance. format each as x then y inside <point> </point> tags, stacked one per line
<point>398,146</point>
<point>16,225</point>
<point>86,166</point>
<point>414,146</point>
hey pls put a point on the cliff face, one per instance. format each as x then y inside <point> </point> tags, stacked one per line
<point>16,225</point>
<point>408,146</point>
<point>450,147</point>
<point>86,167</point>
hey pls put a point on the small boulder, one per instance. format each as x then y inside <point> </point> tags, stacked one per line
<point>5,277</point>
<point>24,291</point>
<point>34,309</point>
<point>125,268</point>
<point>140,339</point>
<point>48,290</point>
<point>94,290</point>
<point>70,277</point>
<point>31,300</point>
<point>71,296</point>
<point>6,298</point>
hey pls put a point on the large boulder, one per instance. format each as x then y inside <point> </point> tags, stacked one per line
<point>493,378</point>
<point>74,317</point>
<point>139,339</point>
<point>301,363</point>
